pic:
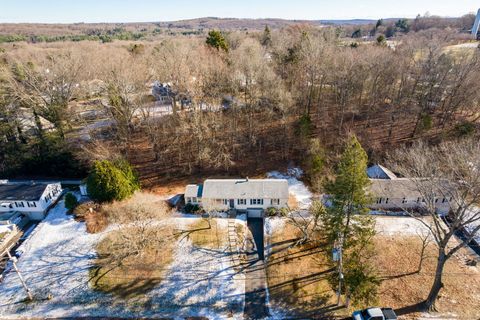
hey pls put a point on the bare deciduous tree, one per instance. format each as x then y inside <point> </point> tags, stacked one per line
<point>447,172</point>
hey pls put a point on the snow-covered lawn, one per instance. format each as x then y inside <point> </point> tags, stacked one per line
<point>295,187</point>
<point>58,255</point>
<point>399,226</point>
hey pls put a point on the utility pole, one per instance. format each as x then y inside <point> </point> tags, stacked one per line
<point>14,262</point>
<point>340,269</point>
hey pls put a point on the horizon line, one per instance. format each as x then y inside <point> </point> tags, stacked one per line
<point>225,18</point>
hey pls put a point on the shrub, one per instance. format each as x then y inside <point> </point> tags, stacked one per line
<point>381,40</point>
<point>191,208</point>
<point>465,129</point>
<point>70,201</point>
<point>305,126</point>
<point>216,40</point>
<point>426,123</point>
<point>110,181</point>
<point>83,209</point>
<point>272,212</point>
<point>96,221</point>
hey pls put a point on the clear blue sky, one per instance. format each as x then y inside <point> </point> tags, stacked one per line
<point>66,11</point>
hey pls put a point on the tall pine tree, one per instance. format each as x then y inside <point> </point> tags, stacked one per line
<point>347,223</point>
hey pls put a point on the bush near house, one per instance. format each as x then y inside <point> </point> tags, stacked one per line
<point>272,211</point>
<point>191,208</point>
<point>109,181</point>
<point>70,201</point>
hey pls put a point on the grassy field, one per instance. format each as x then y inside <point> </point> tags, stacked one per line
<point>298,276</point>
<point>133,276</point>
<point>299,286</point>
<point>402,287</point>
<point>205,235</point>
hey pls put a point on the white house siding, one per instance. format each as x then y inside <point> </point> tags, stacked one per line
<point>442,206</point>
<point>213,204</point>
<point>35,210</point>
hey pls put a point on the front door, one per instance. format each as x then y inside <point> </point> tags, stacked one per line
<point>232,203</point>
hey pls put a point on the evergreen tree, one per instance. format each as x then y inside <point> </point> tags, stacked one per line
<point>357,33</point>
<point>216,40</point>
<point>110,181</point>
<point>347,223</point>
<point>267,37</point>
<point>381,40</point>
<point>70,201</point>
<point>402,25</point>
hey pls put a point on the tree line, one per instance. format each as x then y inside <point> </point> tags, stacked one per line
<point>238,101</point>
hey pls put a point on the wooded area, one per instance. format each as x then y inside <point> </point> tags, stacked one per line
<point>246,106</point>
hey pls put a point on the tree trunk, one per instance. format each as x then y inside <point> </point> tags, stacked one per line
<point>437,283</point>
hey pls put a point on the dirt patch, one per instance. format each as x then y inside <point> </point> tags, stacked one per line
<point>297,276</point>
<point>402,286</point>
<point>132,276</point>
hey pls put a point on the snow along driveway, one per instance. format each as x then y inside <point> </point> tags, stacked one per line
<point>58,255</point>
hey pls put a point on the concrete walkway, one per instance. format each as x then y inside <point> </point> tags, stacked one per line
<point>255,275</point>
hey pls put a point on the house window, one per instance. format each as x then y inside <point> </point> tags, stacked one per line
<point>256,201</point>
<point>189,200</point>
<point>194,199</point>
<point>275,202</point>
<point>386,200</point>
<point>225,201</point>
<point>31,204</point>
<point>418,200</point>
<point>19,204</point>
<point>404,200</point>
<point>444,200</point>
<point>242,201</point>
<point>379,200</point>
<point>436,200</point>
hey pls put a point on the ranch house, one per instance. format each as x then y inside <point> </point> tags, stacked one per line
<point>32,199</point>
<point>240,194</point>
<point>392,193</point>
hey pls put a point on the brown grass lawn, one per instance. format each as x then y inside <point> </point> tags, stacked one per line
<point>202,236</point>
<point>135,276</point>
<point>397,260</point>
<point>297,276</point>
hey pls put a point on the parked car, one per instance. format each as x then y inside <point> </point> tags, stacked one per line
<point>375,314</point>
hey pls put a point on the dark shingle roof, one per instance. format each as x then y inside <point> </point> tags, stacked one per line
<point>25,192</point>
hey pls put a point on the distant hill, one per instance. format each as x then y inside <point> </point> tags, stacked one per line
<point>207,23</point>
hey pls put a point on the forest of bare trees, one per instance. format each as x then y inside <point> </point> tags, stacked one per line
<point>248,107</point>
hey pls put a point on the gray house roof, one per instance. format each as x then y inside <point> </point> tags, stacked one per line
<point>22,192</point>
<point>245,189</point>
<point>396,188</point>
<point>193,190</point>
<point>380,172</point>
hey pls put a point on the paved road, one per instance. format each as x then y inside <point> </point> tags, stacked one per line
<point>20,181</point>
<point>255,276</point>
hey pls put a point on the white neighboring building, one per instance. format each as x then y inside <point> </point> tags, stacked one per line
<point>240,194</point>
<point>32,199</point>
<point>392,193</point>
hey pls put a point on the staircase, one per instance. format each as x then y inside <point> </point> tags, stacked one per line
<point>233,245</point>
